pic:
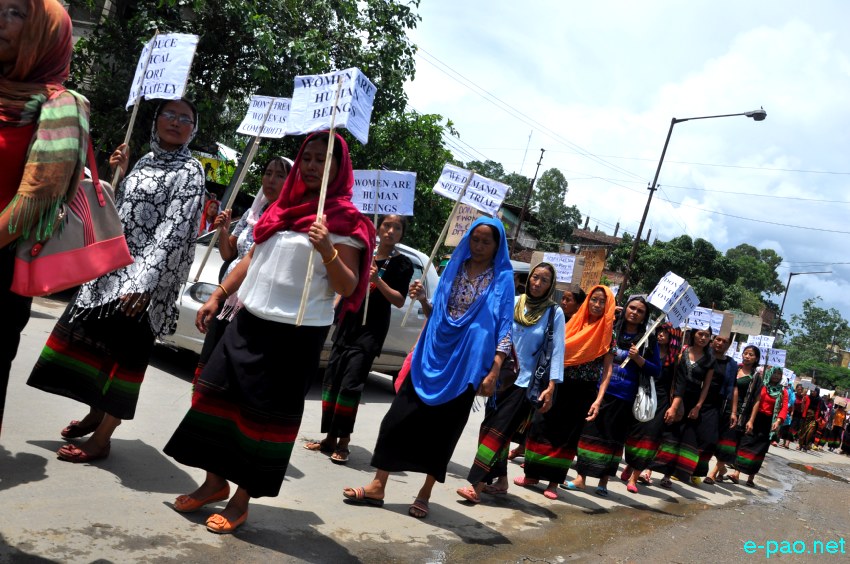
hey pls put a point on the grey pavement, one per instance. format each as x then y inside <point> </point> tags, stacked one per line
<point>118,509</point>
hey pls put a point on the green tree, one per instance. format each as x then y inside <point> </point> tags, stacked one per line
<point>816,334</point>
<point>555,220</point>
<point>414,142</point>
<point>757,268</point>
<point>245,48</point>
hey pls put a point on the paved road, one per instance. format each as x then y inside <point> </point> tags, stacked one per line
<point>118,510</point>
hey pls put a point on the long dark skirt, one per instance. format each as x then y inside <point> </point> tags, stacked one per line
<point>552,439</point>
<point>644,438</point>
<point>16,314</point>
<point>99,361</point>
<point>678,452</point>
<point>708,435</point>
<point>345,378</point>
<point>418,437</point>
<point>752,448</point>
<point>845,441</point>
<point>215,331</point>
<point>499,425</point>
<point>727,445</point>
<point>796,421</point>
<point>807,430</point>
<point>834,437</point>
<point>248,403</point>
<point>602,440</point>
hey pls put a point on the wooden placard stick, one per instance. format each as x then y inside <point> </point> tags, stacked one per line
<point>249,158</point>
<point>375,254</point>
<point>654,325</point>
<point>135,112</point>
<point>323,192</point>
<point>440,240</point>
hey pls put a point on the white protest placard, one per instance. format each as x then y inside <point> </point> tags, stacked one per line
<point>675,297</point>
<point>736,356</point>
<point>702,318</point>
<point>313,103</point>
<point>481,193</point>
<point>761,341</point>
<point>667,291</point>
<point>563,263</point>
<point>789,375</point>
<point>396,190</point>
<point>274,126</point>
<point>680,310</point>
<point>163,67</point>
<point>776,357</point>
<point>746,324</point>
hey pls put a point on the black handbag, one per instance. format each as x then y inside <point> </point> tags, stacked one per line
<point>543,362</point>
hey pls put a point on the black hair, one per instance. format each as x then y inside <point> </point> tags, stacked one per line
<point>401,219</point>
<point>757,352</point>
<point>287,168</point>
<point>578,295</point>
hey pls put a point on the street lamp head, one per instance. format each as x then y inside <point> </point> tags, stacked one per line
<point>757,115</point>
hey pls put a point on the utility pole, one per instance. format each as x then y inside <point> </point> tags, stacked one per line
<point>525,203</point>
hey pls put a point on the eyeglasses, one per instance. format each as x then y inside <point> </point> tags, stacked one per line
<point>182,120</point>
<point>12,15</point>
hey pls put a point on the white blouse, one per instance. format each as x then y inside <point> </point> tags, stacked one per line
<point>276,276</point>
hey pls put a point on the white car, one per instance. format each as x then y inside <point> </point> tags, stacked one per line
<point>399,339</point>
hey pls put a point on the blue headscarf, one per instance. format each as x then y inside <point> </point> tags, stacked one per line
<point>453,354</point>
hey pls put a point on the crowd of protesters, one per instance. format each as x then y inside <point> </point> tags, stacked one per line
<point>560,379</point>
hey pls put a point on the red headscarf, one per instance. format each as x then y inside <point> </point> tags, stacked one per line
<point>43,62</point>
<point>342,217</point>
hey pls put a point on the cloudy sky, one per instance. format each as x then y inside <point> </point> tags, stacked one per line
<point>597,83</point>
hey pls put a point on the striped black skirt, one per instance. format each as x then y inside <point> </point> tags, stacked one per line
<point>247,405</point>
<point>601,444</point>
<point>98,361</point>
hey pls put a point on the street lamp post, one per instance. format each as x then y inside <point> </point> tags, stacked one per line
<point>757,115</point>
<point>785,295</point>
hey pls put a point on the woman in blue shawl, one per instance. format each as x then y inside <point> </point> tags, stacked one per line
<point>460,351</point>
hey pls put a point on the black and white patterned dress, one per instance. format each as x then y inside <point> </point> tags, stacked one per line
<point>160,205</point>
<point>97,354</point>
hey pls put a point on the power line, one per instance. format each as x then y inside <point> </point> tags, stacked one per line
<point>720,165</point>
<point>507,108</point>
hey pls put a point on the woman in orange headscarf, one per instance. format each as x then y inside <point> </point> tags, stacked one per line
<point>43,133</point>
<point>553,437</point>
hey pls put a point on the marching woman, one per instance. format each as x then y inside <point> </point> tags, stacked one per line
<point>510,408</point>
<point>43,133</point>
<point>604,436</point>
<point>234,247</point>
<point>100,348</point>
<point>644,438</point>
<point>248,402</point>
<point>209,216</point>
<point>766,415</point>
<point>679,452</point>
<point>357,344</point>
<point>588,353</point>
<point>808,428</point>
<point>460,351</point>
<point>747,388</point>
<point>711,415</point>
<point>571,300</point>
